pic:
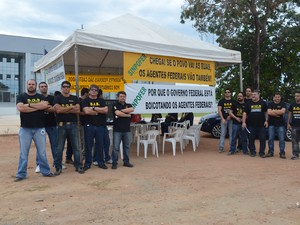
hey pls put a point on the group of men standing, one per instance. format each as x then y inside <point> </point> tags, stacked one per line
<point>58,117</point>
<point>249,116</point>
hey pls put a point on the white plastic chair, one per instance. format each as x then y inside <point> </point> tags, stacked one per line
<point>176,136</point>
<point>190,137</point>
<point>195,130</point>
<point>150,139</point>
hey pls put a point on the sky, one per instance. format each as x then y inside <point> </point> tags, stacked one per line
<point>57,19</point>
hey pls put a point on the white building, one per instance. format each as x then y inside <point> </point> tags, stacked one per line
<point>17,58</point>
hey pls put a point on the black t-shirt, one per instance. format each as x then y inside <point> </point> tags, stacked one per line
<point>64,102</point>
<point>256,113</point>
<point>276,120</point>
<point>121,124</point>
<point>96,120</point>
<point>32,119</point>
<point>295,110</point>
<point>237,110</point>
<point>50,119</point>
<point>226,106</point>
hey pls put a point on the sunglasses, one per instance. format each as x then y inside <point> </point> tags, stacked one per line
<point>93,89</point>
<point>65,86</point>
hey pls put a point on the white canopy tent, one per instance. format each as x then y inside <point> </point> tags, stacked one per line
<point>103,44</point>
<point>99,49</point>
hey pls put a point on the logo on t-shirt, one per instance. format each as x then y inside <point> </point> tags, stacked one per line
<point>256,108</point>
<point>94,104</point>
<point>33,100</point>
<point>66,105</point>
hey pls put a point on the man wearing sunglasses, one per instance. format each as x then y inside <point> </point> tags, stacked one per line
<point>95,111</point>
<point>224,107</point>
<point>67,109</point>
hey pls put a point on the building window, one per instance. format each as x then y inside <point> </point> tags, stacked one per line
<point>16,77</point>
<point>8,76</point>
<point>1,76</point>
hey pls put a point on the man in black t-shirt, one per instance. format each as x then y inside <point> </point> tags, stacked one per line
<point>237,114</point>
<point>257,120</point>
<point>67,109</point>
<point>294,124</point>
<point>31,106</point>
<point>121,129</point>
<point>276,111</point>
<point>95,111</point>
<point>224,106</point>
<point>50,122</point>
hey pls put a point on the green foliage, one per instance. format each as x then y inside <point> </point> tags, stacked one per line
<point>266,32</point>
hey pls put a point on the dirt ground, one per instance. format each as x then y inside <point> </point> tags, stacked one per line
<point>202,187</point>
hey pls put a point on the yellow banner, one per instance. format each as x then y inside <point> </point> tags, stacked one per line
<point>168,69</point>
<point>108,83</point>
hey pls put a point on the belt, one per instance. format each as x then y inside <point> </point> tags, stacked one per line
<point>66,123</point>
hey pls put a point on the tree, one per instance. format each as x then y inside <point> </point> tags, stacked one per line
<point>266,32</point>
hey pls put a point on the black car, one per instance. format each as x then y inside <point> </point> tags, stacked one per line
<point>211,124</point>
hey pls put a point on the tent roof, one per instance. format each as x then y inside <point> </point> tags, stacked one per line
<point>132,34</point>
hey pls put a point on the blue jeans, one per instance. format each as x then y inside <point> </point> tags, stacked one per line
<point>69,152</point>
<point>244,140</point>
<point>295,140</point>
<point>70,131</point>
<point>106,146</point>
<point>38,135</point>
<point>261,132</point>
<point>224,132</point>
<point>281,134</point>
<point>236,132</point>
<point>94,137</point>
<point>125,137</point>
<point>52,134</point>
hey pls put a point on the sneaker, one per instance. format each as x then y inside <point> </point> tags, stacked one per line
<point>37,169</point>
<point>95,163</point>
<point>109,161</point>
<point>269,154</point>
<point>252,154</point>
<point>245,153</point>
<point>103,166</point>
<point>295,157</point>
<point>114,166</point>
<point>128,164</point>
<point>230,153</point>
<point>221,150</point>
<point>57,172</point>
<point>63,166</point>
<point>50,175</point>
<point>282,156</point>
<point>69,161</point>
<point>79,169</point>
<point>18,179</point>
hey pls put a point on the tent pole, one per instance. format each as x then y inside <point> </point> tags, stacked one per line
<point>77,94</point>
<point>241,78</point>
<point>76,69</point>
